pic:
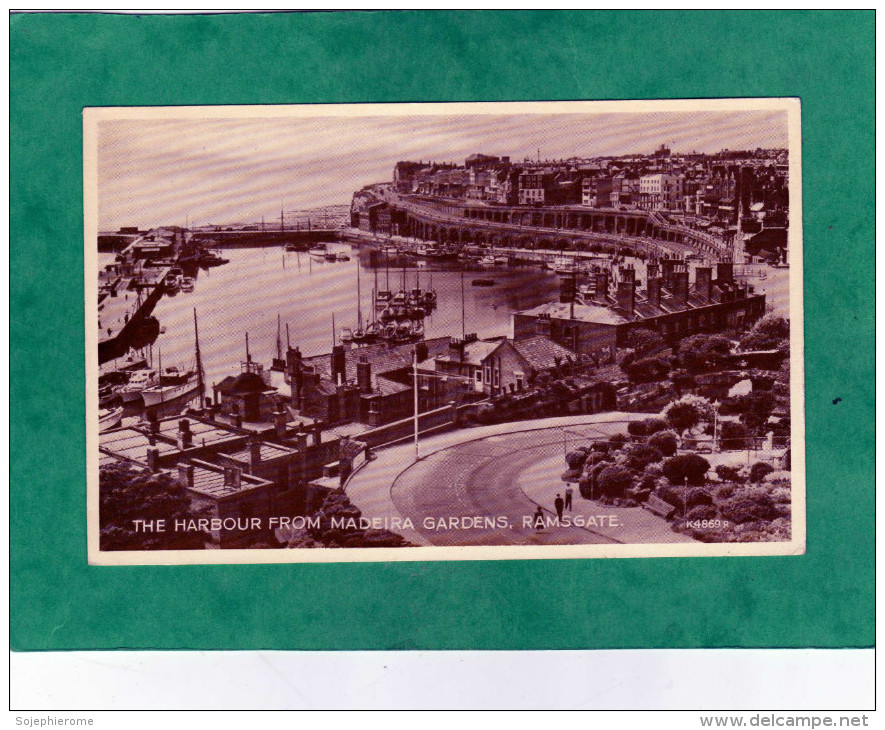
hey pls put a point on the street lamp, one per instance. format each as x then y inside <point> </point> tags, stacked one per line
<point>716,426</point>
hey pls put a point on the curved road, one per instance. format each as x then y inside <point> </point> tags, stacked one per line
<point>481,479</point>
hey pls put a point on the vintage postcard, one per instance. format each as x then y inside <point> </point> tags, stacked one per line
<point>444,331</point>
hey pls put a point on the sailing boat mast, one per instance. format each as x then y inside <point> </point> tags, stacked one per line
<point>359,309</point>
<point>279,340</point>
<point>200,383</point>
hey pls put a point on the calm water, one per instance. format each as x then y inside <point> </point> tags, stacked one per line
<point>258,284</point>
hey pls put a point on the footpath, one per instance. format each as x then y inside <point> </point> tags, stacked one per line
<point>369,487</point>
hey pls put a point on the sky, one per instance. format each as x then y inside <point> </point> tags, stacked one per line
<point>155,172</point>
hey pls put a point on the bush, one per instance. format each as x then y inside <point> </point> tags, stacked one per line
<point>575,459</point>
<point>618,440</point>
<point>698,498</point>
<point>636,428</point>
<point>689,467</point>
<point>614,480</point>
<point>640,456</point>
<point>654,425</point>
<point>701,512</point>
<point>683,416</point>
<point>749,509</point>
<point>759,471</point>
<point>665,441</point>
<point>726,491</point>
<point>653,470</point>
<point>671,495</point>
<point>729,473</point>
<point>647,370</point>
<point>732,435</point>
<point>600,447</point>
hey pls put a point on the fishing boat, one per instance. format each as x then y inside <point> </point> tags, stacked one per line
<point>178,386</point>
<point>487,261</point>
<point>346,335</point>
<point>318,250</point>
<point>109,418</point>
<point>138,381</point>
<point>342,257</point>
<point>174,385</point>
<point>382,299</point>
<point>500,260</point>
<point>210,258</point>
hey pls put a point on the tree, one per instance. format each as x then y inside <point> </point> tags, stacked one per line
<point>614,480</point>
<point>664,441</point>
<point>683,416</point>
<point>759,471</point>
<point>641,455</point>
<point>703,352</point>
<point>653,425</point>
<point>637,428</point>
<point>126,494</point>
<point>758,406</point>
<point>643,340</point>
<point>684,467</point>
<point>769,333</point>
<point>647,370</point>
<point>732,435</point>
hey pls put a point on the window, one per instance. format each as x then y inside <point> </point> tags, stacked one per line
<point>478,375</point>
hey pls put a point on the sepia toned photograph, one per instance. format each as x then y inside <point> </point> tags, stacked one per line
<point>444,331</point>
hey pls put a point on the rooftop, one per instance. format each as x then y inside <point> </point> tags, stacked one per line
<point>209,480</point>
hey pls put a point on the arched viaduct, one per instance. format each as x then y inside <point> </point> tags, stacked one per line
<point>545,228</point>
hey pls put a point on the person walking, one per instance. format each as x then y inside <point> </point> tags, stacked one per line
<point>558,504</point>
<point>568,497</point>
<point>539,518</point>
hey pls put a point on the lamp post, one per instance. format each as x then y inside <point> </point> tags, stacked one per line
<point>715,426</point>
<point>415,389</point>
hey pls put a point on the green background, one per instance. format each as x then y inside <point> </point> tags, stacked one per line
<point>61,63</point>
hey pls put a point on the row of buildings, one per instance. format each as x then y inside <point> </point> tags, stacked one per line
<point>722,187</point>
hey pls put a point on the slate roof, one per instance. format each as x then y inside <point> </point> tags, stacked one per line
<point>541,352</point>
<point>382,358</point>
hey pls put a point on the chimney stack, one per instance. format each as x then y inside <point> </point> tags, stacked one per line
<point>294,369</point>
<point>456,345</point>
<point>680,287</point>
<point>186,475</point>
<point>628,273</point>
<point>567,289</point>
<point>652,270</point>
<point>185,437</point>
<point>254,452</point>
<point>232,476</point>
<point>653,291</point>
<point>279,424</point>
<point>704,281</point>
<point>601,293</point>
<point>724,272</point>
<point>627,296</point>
<point>153,460</point>
<point>421,351</point>
<point>667,267</point>
<point>364,374</point>
<point>339,360</point>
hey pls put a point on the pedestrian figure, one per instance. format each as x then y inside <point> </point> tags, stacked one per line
<point>539,518</point>
<point>568,497</point>
<point>558,504</point>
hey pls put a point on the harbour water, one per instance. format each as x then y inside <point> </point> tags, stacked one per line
<point>259,284</point>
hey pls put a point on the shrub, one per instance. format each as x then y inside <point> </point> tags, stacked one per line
<point>653,470</point>
<point>614,480</point>
<point>595,458</point>
<point>654,425</point>
<point>643,339</point>
<point>759,470</point>
<point>671,495</point>
<point>600,446</point>
<point>732,435</point>
<point>701,512</point>
<point>618,440</point>
<point>781,495</point>
<point>702,352</point>
<point>726,491</point>
<point>636,428</point>
<point>647,370</point>
<point>729,473</point>
<point>698,498</point>
<point>575,459</point>
<point>639,456</point>
<point>683,416</point>
<point>749,509</point>
<point>778,477</point>
<point>689,467</point>
<point>665,441</point>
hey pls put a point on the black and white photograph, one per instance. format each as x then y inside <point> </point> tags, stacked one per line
<point>444,331</point>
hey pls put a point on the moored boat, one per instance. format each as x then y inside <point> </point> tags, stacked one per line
<point>109,418</point>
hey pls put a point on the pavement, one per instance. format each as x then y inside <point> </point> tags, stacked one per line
<point>498,473</point>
